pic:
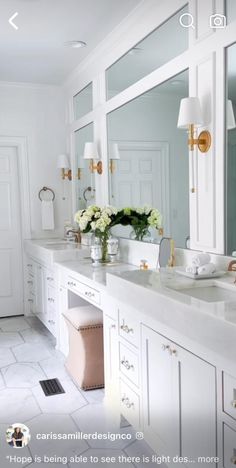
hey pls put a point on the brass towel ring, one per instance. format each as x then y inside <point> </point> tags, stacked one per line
<point>46,189</point>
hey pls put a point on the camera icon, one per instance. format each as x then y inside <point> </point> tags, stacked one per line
<point>217,21</point>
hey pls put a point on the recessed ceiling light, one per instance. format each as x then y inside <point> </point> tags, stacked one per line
<point>75,44</point>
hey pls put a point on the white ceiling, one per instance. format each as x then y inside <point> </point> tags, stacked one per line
<point>36,53</point>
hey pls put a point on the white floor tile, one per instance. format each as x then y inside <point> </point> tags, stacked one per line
<point>32,352</point>
<point>7,340</point>
<point>17,405</point>
<point>6,357</point>
<point>23,375</point>
<point>13,324</point>
<point>34,336</point>
<point>140,449</point>
<point>64,403</point>
<point>53,367</point>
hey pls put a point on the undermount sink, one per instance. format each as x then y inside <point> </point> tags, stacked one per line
<point>209,293</point>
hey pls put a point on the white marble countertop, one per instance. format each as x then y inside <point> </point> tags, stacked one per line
<point>95,276</point>
<point>179,316</point>
<point>51,250</point>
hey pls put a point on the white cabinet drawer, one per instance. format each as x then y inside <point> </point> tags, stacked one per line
<point>129,364</point>
<point>128,326</point>
<point>84,290</point>
<point>31,284</point>
<point>229,447</point>
<point>129,404</point>
<point>229,395</point>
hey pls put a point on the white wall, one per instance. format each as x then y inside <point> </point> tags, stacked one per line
<point>37,113</point>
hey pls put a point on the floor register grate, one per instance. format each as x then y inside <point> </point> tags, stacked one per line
<point>51,387</point>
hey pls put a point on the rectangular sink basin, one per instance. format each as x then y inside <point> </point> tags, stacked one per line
<point>210,293</point>
<point>61,245</point>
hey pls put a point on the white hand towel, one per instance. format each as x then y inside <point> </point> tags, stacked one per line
<point>47,215</point>
<point>191,269</point>
<point>201,259</point>
<point>207,269</point>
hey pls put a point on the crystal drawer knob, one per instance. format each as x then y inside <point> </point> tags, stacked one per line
<point>126,401</point>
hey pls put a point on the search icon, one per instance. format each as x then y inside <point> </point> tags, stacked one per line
<point>186,20</point>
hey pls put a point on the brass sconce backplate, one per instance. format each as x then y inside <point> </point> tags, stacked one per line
<point>204,141</point>
<point>99,167</point>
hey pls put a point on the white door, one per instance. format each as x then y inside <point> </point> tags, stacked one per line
<point>11,273</point>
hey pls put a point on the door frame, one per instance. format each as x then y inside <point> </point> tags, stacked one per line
<point>20,143</point>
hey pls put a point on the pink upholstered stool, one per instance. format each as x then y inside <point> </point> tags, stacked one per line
<point>85,361</point>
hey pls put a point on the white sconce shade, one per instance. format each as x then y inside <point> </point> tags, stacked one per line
<point>90,150</point>
<point>190,113</point>
<point>230,116</point>
<point>114,151</point>
<point>63,161</point>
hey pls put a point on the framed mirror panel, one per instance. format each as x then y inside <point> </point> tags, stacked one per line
<point>85,187</point>
<point>155,50</point>
<point>148,158</point>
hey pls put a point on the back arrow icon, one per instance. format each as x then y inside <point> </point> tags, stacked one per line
<point>11,21</point>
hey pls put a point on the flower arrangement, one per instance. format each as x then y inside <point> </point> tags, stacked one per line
<point>101,219</point>
<point>141,219</point>
<point>98,220</point>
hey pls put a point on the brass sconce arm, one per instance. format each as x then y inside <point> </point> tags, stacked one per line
<point>66,174</point>
<point>203,141</point>
<point>95,167</point>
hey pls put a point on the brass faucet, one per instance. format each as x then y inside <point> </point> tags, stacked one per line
<point>77,235</point>
<point>171,261</point>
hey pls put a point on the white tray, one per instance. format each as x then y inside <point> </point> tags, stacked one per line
<point>217,274</point>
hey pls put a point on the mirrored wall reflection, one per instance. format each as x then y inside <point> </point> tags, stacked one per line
<point>230,10</point>
<point>85,189</point>
<point>83,102</point>
<point>231,153</point>
<point>149,54</point>
<point>149,162</point>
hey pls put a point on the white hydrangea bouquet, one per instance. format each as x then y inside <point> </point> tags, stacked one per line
<point>101,219</point>
<point>98,220</point>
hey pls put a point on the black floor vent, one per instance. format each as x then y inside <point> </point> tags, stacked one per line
<point>51,387</point>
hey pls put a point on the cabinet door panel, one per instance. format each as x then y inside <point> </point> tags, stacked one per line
<point>160,394</point>
<point>198,408</point>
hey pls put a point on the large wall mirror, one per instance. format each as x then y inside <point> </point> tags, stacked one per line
<point>149,157</point>
<point>85,187</point>
<point>155,50</point>
<point>83,101</point>
<point>230,10</point>
<point>231,150</point>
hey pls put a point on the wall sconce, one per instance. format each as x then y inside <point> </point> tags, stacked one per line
<point>91,152</point>
<point>230,116</point>
<point>64,165</point>
<point>114,155</point>
<point>190,116</point>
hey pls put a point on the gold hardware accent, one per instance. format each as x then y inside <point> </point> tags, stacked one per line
<point>112,166</point>
<point>79,173</point>
<point>95,167</point>
<point>203,141</point>
<point>160,231</point>
<point>193,190</point>
<point>171,261</point>
<point>66,174</point>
